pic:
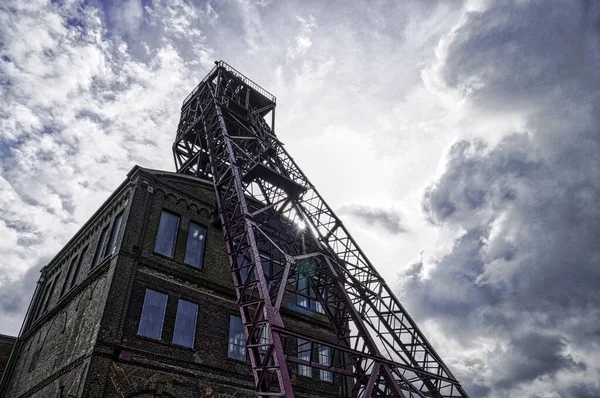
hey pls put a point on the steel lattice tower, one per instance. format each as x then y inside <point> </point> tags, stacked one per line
<point>267,205</point>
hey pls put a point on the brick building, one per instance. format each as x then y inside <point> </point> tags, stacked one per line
<point>140,303</point>
<point>6,346</point>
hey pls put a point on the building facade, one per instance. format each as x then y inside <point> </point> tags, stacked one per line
<point>140,303</point>
<point>6,345</point>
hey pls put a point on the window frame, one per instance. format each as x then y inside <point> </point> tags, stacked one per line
<point>77,272</point>
<point>319,309</point>
<point>42,300</point>
<point>203,251</point>
<point>102,244</point>
<point>325,375</point>
<point>305,354</point>
<point>175,328</point>
<point>175,237</point>
<point>265,256</point>
<point>113,241</point>
<point>66,282</point>
<point>243,271</point>
<point>230,352</point>
<point>303,300</point>
<point>164,310</point>
<point>50,293</point>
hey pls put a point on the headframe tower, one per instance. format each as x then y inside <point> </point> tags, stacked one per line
<point>267,205</point>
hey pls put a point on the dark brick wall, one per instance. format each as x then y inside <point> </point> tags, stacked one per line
<point>6,345</point>
<point>56,343</point>
<point>87,342</point>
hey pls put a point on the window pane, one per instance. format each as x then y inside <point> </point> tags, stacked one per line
<point>264,339</point>
<point>195,245</point>
<point>69,273</point>
<point>42,299</point>
<point>304,354</point>
<point>237,339</point>
<point>266,266</point>
<point>114,235</point>
<point>185,323</point>
<point>75,279</point>
<point>303,289</point>
<point>50,292</point>
<point>101,246</point>
<point>153,314</point>
<point>325,359</point>
<point>242,262</point>
<point>319,307</point>
<point>167,234</point>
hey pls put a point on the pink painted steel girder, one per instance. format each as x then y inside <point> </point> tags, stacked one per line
<point>269,209</point>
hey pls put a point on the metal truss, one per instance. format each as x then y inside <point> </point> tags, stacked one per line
<point>270,210</point>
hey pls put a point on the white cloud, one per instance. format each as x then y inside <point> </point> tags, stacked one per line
<point>302,41</point>
<point>79,108</point>
<point>129,17</point>
<point>370,98</point>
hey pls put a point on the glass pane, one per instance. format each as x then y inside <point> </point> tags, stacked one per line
<point>303,289</point>
<point>319,307</point>
<point>264,336</point>
<point>304,354</point>
<point>325,359</point>
<point>75,279</point>
<point>237,339</point>
<point>167,234</point>
<point>101,246</point>
<point>264,339</point>
<point>42,300</point>
<point>69,273</point>
<point>185,323</point>
<point>153,314</point>
<point>114,235</point>
<point>242,262</point>
<point>51,292</point>
<point>195,245</point>
<point>266,266</point>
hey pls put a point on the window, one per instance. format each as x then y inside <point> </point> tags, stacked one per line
<point>304,348</point>
<point>50,293</point>
<point>306,298</point>
<point>237,339</point>
<point>267,266</point>
<point>69,273</point>
<point>264,340</point>
<point>303,300</point>
<point>114,235</point>
<point>42,299</point>
<point>243,266</point>
<point>167,234</point>
<point>101,248</point>
<point>185,324</point>
<point>325,359</point>
<point>194,249</point>
<point>319,307</point>
<point>75,278</point>
<point>153,314</point>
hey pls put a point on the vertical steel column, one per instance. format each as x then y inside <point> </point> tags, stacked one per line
<point>262,194</point>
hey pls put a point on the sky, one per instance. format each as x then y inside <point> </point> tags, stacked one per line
<point>459,142</point>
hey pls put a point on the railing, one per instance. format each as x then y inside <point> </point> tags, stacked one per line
<point>247,81</point>
<point>195,90</point>
<point>236,73</point>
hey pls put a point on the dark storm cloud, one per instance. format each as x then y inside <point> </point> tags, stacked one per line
<point>387,219</point>
<point>15,295</point>
<point>531,356</point>
<point>525,270</point>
